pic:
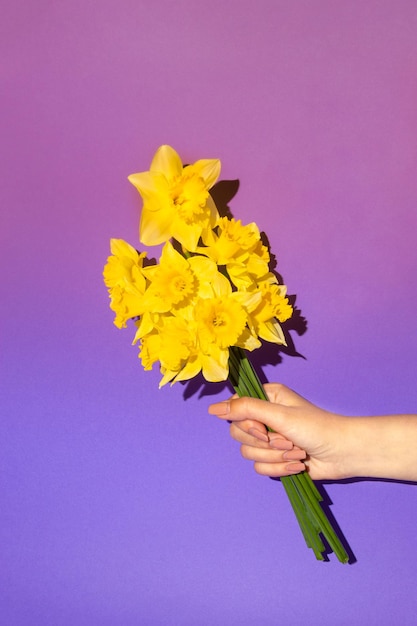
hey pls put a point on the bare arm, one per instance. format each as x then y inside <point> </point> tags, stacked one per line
<point>330,446</point>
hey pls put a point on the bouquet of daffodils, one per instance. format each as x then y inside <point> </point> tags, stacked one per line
<point>209,300</point>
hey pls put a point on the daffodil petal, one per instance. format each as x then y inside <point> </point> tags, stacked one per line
<point>170,255</point>
<point>216,370</point>
<point>221,285</point>
<point>168,375</point>
<point>187,234</point>
<point>149,184</point>
<point>155,227</point>
<point>248,299</point>
<point>191,369</point>
<point>247,341</point>
<point>271,331</point>
<point>214,214</point>
<point>208,169</point>
<point>119,247</point>
<point>167,161</point>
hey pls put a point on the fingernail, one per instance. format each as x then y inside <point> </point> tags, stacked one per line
<point>258,434</point>
<point>280,444</point>
<point>295,468</point>
<point>219,408</point>
<point>293,455</point>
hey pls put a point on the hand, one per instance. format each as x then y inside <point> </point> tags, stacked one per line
<point>305,437</point>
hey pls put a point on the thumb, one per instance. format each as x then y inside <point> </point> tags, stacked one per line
<point>271,414</point>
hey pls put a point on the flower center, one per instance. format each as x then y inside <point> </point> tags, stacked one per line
<point>189,195</point>
<point>222,321</point>
<point>219,320</point>
<point>179,284</point>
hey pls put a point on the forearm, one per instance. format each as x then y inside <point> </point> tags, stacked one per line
<point>381,447</point>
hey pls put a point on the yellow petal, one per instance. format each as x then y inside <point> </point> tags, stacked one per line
<point>248,299</point>
<point>221,285</point>
<point>145,325</point>
<point>168,375</point>
<point>272,331</point>
<point>204,268</point>
<point>167,161</point>
<point>187,234</point>
<point>248,341</point>
<point>119,247</point>
<point>216,369</point>
<point>155,226</point>
<point>191,369</point>
<point>208,169</point>
<point>214,215</point>
<point>149,184</point>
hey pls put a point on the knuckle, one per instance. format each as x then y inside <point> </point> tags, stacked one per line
<point>261,469</point>
<point>245,405</point>
<point>245,451</point>
<point>268,469</point>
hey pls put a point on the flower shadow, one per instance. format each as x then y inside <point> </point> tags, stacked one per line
<point>222,193</point>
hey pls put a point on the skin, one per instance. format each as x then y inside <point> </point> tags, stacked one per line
<point>328,445</point>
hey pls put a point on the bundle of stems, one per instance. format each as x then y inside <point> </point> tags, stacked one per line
<point>300,488</point>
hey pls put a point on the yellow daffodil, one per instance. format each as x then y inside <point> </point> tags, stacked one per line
<point>229,240</point>
<point>172,282</point>
<point>221,321</point>
<point>245,271</point>
<point>123,276</point>
<point>176,200</point>
<point>173,342</point>
<point>170,344</point>
<point>272,309</point>
<point>239,248</point>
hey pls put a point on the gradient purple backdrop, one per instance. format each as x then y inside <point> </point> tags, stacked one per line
<point>126,505</point>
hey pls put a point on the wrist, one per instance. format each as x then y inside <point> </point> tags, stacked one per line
<point>379,447</point>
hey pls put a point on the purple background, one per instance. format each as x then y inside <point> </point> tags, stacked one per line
<point>126,505</point>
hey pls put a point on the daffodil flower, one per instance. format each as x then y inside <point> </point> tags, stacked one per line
<point>172,282</point>
<point>239,248</point>
<point>176,199</point>
<point>229,240</point>
<point>123,276</point>
<point>272,309</point>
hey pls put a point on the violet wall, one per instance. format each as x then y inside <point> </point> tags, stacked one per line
<point>127,505</point>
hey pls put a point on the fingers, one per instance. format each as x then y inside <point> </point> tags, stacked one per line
<point>255,434</point>
<point>275,458</point>
<point>263,455</point>
<point>255,429</point>
<point>277,470</point>
<point>275,463</point>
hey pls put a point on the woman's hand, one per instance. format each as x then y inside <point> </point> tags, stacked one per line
<point>304,437</point>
